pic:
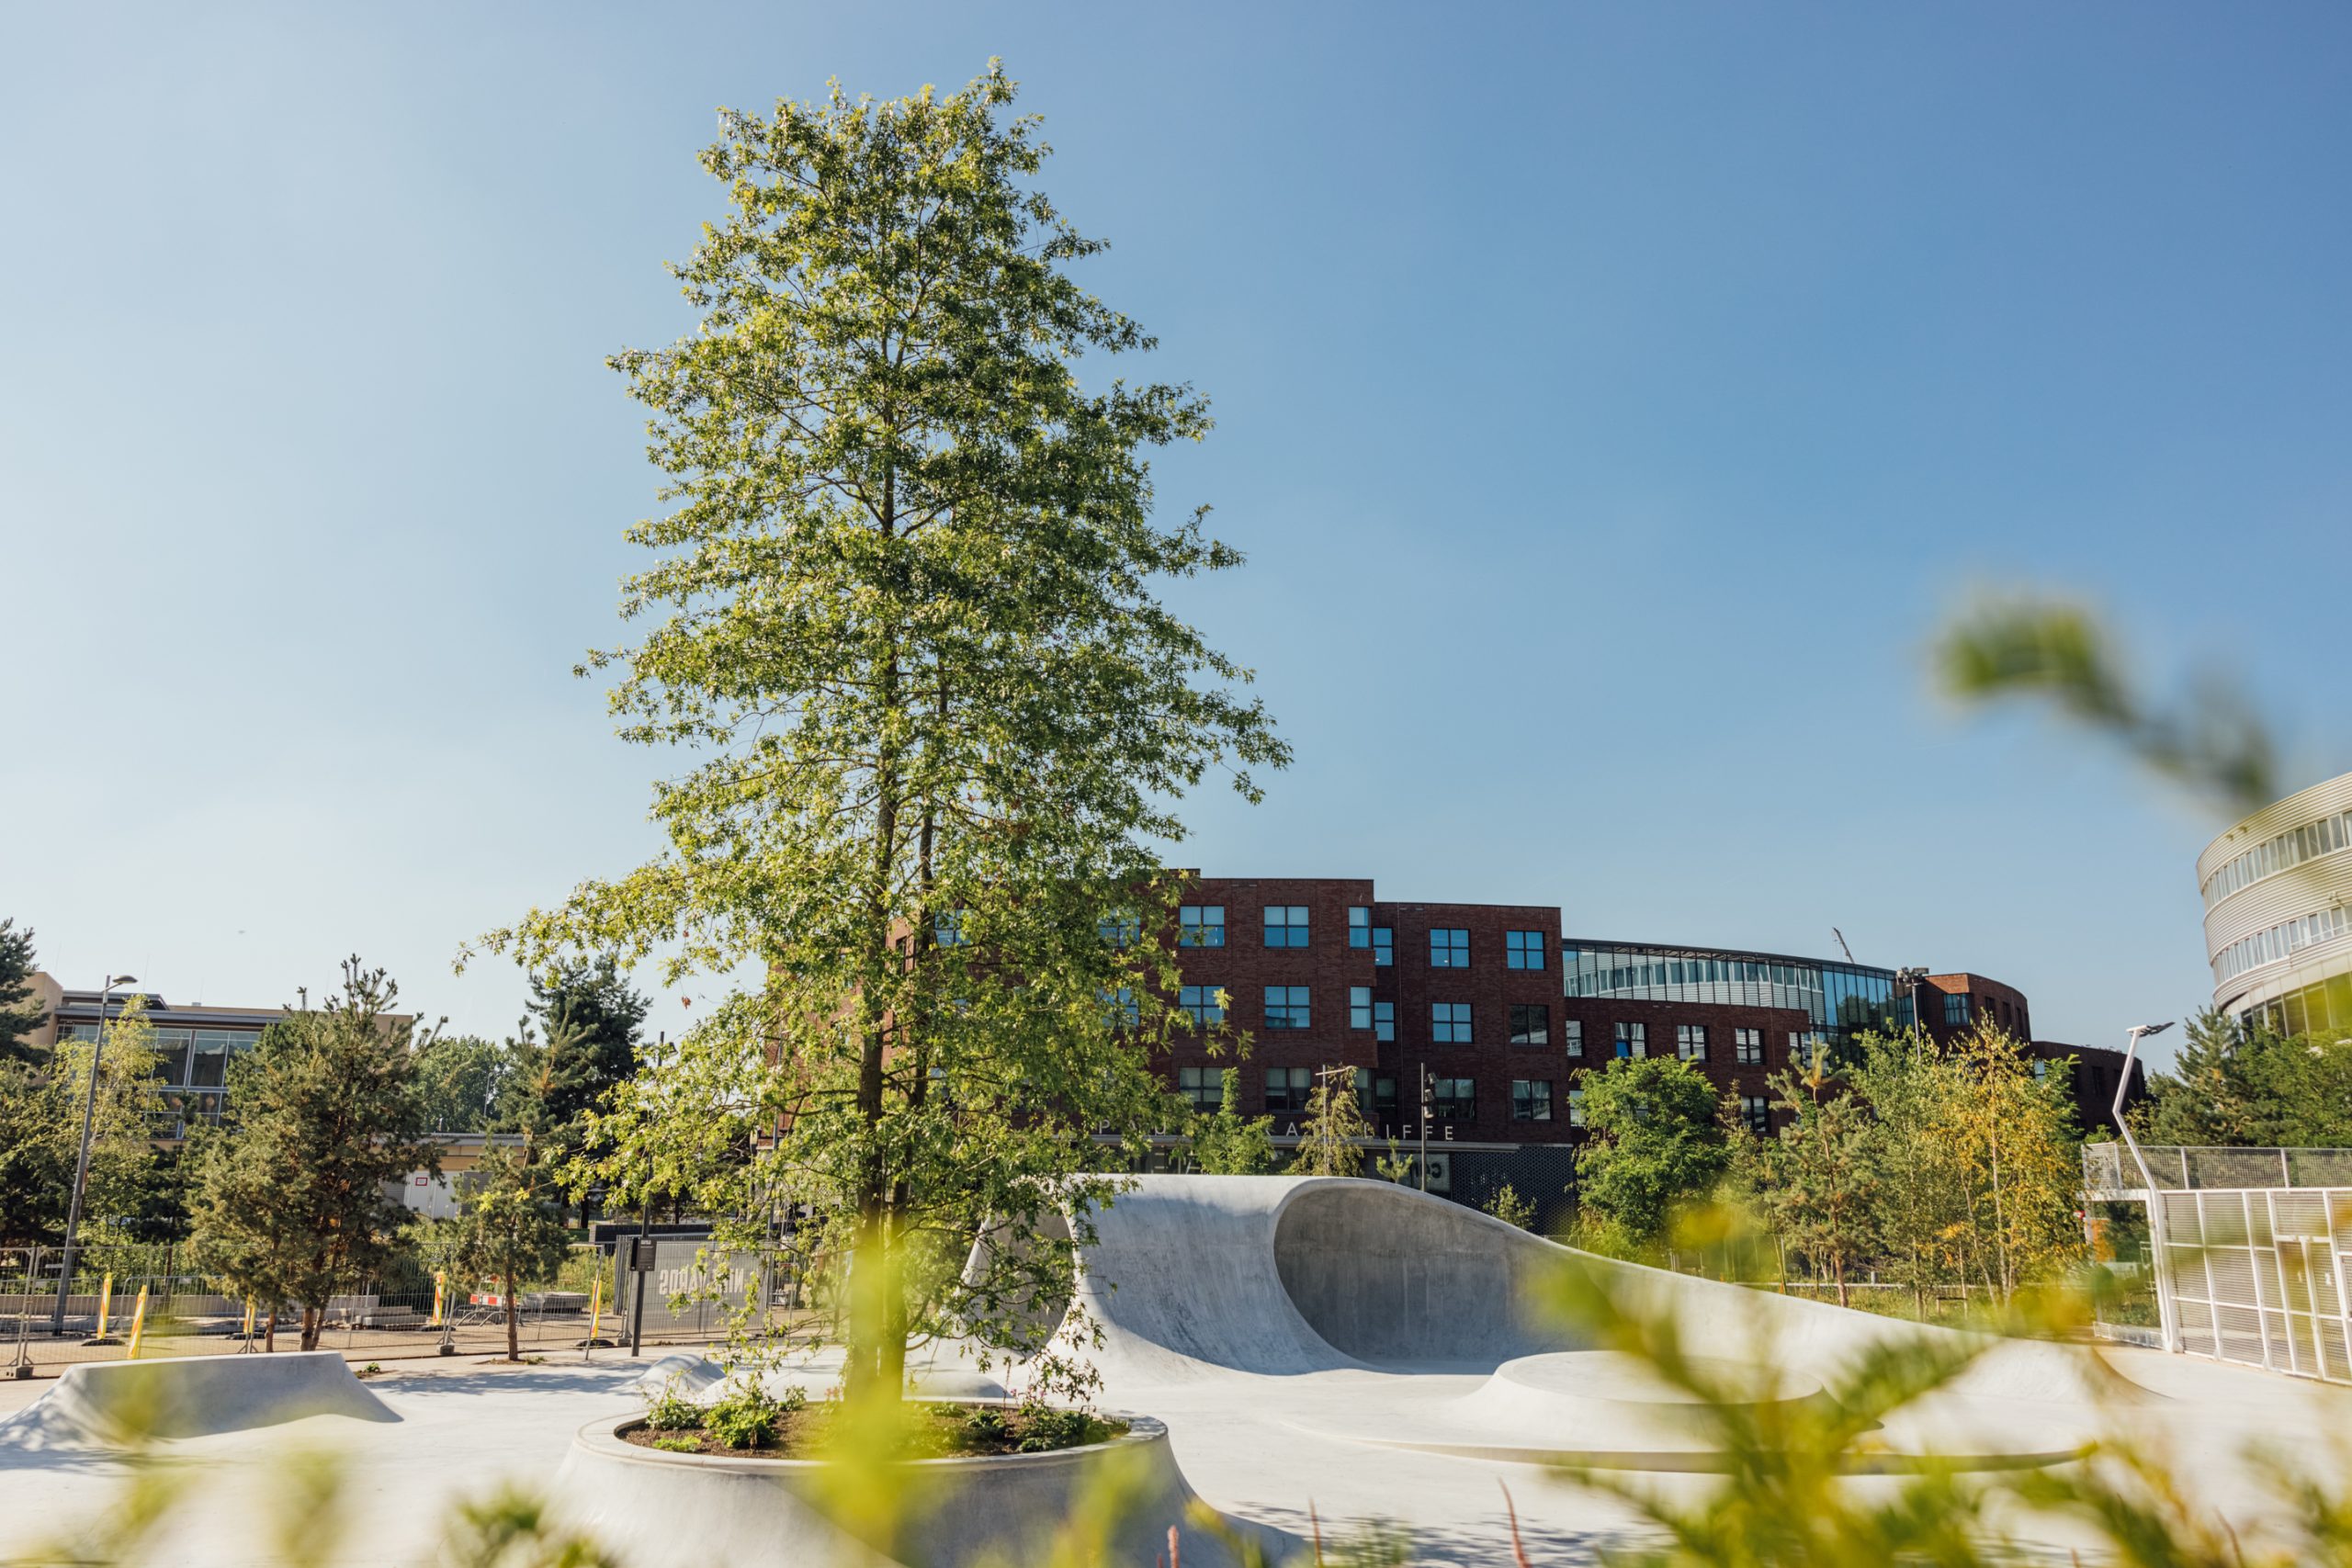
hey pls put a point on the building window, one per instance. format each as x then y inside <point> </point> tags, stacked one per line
<point>1384,1097</point>
<point>1531,1100</point>
<point>1365,1013</point>
<point>1202,1087</point>
<point>1285,1007</point>
<point>2041,1069</point>
<point>1796,1049</point>
<point>1125,1012</point>
<point>1633,1039</point>
<point>1690,1042</point>
<point>1359,926</point>
<point>1206,1003</point>
<point>1450,1023</point>
<point>1955,1010</point>
<point>1285,925</point>
<point>1522,950</point>
<point>1454,1100</point>
<point>1287,1087</point>
<point>1572,1035</point>
<point>1576,1108</point>
<point>1449,948</point>
<point>1384,1020</point>
<point>1121,929</point>
<point>1200,925</point>
<point>1531,1023</point>
<point>1748,1047</point>
<point>1383,947</point>
<point>947,928</point>
<point>1757,1111</point>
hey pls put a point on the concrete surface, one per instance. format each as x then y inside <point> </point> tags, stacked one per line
<point>1290,1334</point>
<point>107,1404</point>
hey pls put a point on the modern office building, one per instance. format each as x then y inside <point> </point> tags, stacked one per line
<point>1501,1013</point>
<point>193,1043</point>
<point>2277,892</point>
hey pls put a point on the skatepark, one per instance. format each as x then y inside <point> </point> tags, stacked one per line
<point>1304,1353</point>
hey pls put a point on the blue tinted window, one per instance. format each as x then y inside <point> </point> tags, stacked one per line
<point>1449,948</point>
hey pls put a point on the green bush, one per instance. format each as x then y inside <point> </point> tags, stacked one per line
<point>672,1411</point>
<point>1048,1430</point>
<point>748,1417</point>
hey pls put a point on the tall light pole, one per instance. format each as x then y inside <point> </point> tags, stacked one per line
<point>2167,1324</point>
<point>82,1164</point>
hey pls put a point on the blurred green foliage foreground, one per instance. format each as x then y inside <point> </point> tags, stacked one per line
<point>1785,1492</point>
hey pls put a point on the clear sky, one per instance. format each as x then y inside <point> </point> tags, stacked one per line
<point>1611,399</point>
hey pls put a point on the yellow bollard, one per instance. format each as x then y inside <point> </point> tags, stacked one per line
<point>249,1318</point>
<point>105,1300</point>
<point>440,1284</point>
<point>137,1325</point>
<point>595,1316</point>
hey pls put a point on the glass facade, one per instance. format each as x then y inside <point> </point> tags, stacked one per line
<point>1843,1000</point>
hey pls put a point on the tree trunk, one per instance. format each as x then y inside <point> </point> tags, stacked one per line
<point>269,1335</point>
<point>514,1330</point>
<point>313,1312</point>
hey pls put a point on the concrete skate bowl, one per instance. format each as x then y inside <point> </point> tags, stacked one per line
<point>114,1405</point>
<point>654,1510</point>
<point>1200,1277</point>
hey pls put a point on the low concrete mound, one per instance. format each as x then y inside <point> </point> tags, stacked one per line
<point>653,1509</point>
<point>679,1372</point>
<point>117,1403</point>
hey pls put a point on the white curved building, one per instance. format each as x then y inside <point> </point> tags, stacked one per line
<point>2278,891</point>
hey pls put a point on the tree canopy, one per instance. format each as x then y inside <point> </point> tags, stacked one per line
<point>1655,1147</point>
<point>2242,1083</point>
<point>904,617</point>
<point>20,1015</point>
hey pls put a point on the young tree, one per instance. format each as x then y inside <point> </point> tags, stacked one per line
<point>2011,1131</point>
<point>1226,1143</point>
<point>904,614</point>
<point>1655,1147</point>
<point>1507,1205</point>
<point>2242,1084</point>
<point>1918,1216</point>
<point>41,1131</point>
<point>1332,1139</point>
<point>297,1196</point>
<point>1823,1193</point>
<point>20,1015</point>
<point>510,1229</point>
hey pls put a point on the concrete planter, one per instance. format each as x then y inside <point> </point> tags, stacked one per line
<point>655,1509</point>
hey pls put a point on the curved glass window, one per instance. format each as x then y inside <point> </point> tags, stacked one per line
<point>2290,848</point>
<point>2280,941</point>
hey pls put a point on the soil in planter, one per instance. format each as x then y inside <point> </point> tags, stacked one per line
<point>937,1431</point>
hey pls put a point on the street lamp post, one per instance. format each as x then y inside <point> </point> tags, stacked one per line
<point>2167,1321</point>
<point>82,1164</point>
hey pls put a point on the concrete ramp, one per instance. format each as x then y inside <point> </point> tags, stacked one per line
<point>115,1404</point>
<point>1281,1276</point>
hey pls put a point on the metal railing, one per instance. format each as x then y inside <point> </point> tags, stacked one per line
<point>2107,1167</point>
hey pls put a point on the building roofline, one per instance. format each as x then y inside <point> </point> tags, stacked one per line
<point>1686,950</point>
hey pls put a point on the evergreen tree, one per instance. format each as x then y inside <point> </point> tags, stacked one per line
<point>586,1020</point>
<point>904,620</point>
<point>1823,1192</point>
<point>462,1080</point>
<point>1330,1141</point>
<point>2242,1084</point>
<point>296,1195</point>
<point>20,1014</point>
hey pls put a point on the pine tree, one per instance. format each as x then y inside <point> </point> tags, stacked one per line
<point>1226,1143</point>
<point>1823,1191</point>
<point>296,1195</point>
<point>510,1229</point>
<point>20,1015</point>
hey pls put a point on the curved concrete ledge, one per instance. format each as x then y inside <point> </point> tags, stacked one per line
<point>113,1404</point>
<point>665,1510</point>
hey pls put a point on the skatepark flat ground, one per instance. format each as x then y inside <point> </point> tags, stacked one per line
<point>1307,1425</point>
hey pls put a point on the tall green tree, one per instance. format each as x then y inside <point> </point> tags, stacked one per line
<point>296,1197</point>
<point>1823,1193</point>
<point>1917,1213</point>
<point>462,1081</point>
<point>1654,1146</point>
<point>904,614</point>
<point>41,1135</point>
<point>21,1015</point>
<point>2241,1083</point>
<point>588,1019</point>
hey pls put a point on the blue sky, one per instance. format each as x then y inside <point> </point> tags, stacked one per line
<point>1612,401</point>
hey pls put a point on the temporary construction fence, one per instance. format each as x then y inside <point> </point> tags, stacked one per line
<point>197,1314</point>
<point>2253,1250</point>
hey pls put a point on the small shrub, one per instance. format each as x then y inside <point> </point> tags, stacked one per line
<point>746,1418</point>
<point>678,1445</point>
<point>986,1426</point>
<point>1047,1430</point>
<point>672,1411</point>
